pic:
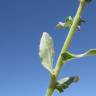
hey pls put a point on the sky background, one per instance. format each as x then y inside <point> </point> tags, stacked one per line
<point>22,23</point>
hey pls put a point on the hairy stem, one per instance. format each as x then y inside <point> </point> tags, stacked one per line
<point>59,63</point>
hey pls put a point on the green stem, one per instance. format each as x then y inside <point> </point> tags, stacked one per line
<point>59,63</point>
<point>52,85</point>
<point>70,36</point>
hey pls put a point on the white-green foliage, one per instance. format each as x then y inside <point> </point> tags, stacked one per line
<point>68,23</point>
<point>46,51</point>
<point>66,56</point>
<point>65,83</point>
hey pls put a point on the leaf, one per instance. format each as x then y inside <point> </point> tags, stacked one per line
<point>79,23</point>
<point>46,51</point>
<point>64,83</point>
<point>68,56</point>
<point>68,23</point>
<point>88,1</point>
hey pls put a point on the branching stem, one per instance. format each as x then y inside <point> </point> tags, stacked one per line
<point>59,63</point>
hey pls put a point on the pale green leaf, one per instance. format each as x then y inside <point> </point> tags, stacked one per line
<point>68,23</point>
<point>68,56</point>
<point>46,51</point>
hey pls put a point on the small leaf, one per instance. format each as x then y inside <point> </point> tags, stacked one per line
<point>79,23</point>
<point>68,56</point>
<point>88,1</point>
<point>46,51</point>
<point>64,83</point>
<point>68,23</point>
<point>91,52</point>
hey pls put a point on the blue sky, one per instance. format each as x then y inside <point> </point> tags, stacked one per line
<point>21,25</point>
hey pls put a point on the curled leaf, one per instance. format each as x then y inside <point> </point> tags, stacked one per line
<point>46,51</point>
<point>64,83</point>
<point>69,56</point>
<point>81,21</point>
<point>68,23</point>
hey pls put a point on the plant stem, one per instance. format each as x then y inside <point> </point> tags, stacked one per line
<point>70,36</point>
<point>52,85</point>
<point>59,63</point>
